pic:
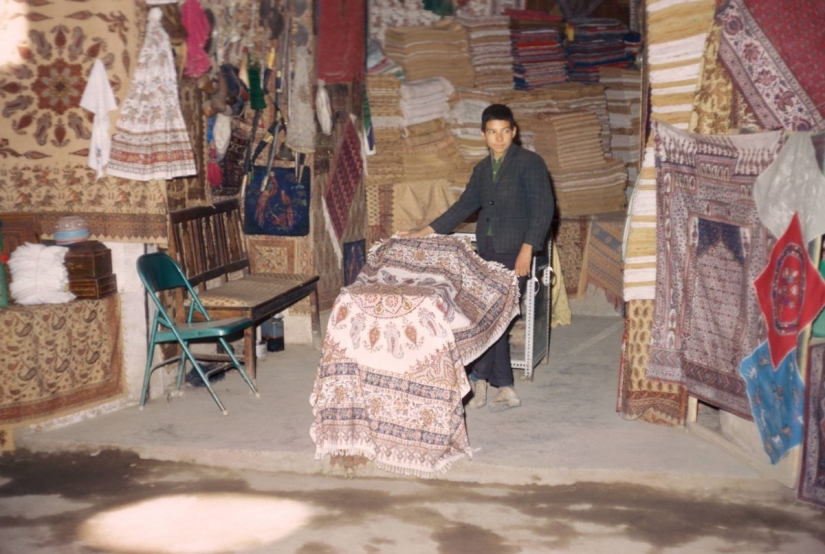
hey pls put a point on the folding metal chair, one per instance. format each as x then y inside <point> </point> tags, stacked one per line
<point>159,272</point>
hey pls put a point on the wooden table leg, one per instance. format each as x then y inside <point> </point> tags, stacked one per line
<point>315,315</point>
<point>250,353</point>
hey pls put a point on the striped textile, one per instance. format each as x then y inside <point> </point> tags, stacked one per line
<point>677,30</point>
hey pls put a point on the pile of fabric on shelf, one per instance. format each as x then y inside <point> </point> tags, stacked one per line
<point>385,166</point>
<point>563,97</point>
<point>418,170</point>
<point>379,63</point>
<point>438,50</point>
<point>595,43</point>
<point>539,58</point>
<point>464,120</point>
<point>584,181</point>
<point>490,51</point>
<point>622,88</point>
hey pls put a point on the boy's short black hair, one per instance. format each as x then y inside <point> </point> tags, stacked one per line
<point>497,112</point>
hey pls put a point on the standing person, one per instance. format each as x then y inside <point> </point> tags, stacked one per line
<point>512,189</point>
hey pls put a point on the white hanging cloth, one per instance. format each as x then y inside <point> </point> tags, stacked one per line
<point>792,183</point>
<point>99,99</point>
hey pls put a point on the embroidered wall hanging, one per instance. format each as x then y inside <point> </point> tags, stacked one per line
<point>278,203</point>
<point>347,169</point>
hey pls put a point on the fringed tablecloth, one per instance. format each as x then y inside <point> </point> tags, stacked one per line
<point>391,377</point>
<point>56,359</point>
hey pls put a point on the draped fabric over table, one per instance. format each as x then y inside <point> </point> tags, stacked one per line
<point>391,378</point>
<point>712,247</point>
<point>56,359</point>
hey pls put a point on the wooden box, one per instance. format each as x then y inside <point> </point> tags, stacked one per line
<point>88,260</point>
<point>100,287</point>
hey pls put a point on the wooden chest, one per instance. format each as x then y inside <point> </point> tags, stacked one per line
<point>100,287</point>
<point>89,264</point>
<point>88,260</point>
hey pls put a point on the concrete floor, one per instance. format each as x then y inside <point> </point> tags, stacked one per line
<point>566,431</point>
<point>562,473</point>
<point>72,503</point>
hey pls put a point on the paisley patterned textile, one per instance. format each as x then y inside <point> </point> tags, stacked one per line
<point>44,143</point>
<point>391,378</point>
<point>58,358</point>
<point>713,245</point>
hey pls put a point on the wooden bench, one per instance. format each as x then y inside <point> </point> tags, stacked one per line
<point>209,244</point>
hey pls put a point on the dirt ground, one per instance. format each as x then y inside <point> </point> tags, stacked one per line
<point>113,501</point>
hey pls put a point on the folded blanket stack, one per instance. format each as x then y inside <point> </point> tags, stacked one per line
<point>431,151</point>
<point>386,166</point>
<point>465,124</point>
<point>622,89</point>
<point>379,63</point>
<point>563,97</point>
<point>539,58</point>
<point>584,181</point>
<point>595,43</point>
<point>490,51</point>
<point>437,50</point>
<point>425,100</point>
<point>387,122</point>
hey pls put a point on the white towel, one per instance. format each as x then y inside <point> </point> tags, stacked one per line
<point>99,99</point>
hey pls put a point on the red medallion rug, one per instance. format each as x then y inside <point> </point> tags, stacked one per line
<point>347,169</point>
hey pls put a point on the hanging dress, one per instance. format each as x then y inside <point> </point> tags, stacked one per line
<point>150,139</point>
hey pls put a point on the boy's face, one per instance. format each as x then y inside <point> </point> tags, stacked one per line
<point>499,136</point>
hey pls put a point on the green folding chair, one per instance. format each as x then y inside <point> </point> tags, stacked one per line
<point>159,272</point>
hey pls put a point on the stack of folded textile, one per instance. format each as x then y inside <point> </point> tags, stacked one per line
<point>490,51</point>
<point>379,63</point>
<point>595,43</point>
<point>430,150</point>
<point>465,123</point>
<point>622,88</point>
<point>584,181</point>
<point>425,100</point>
<point>539,57</point>
<point>438,50</point>
<point>386,166</point>
<point>564,97</point>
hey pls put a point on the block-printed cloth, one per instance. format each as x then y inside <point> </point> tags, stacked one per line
<point>712,246</point>
<point>758,70</point>
<point>44,142</point>
<point>391,378</point>
<point>150,139</point>
<point>812,475</point>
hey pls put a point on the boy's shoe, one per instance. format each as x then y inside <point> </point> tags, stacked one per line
<point>505,399</point>
<point>479,399</point>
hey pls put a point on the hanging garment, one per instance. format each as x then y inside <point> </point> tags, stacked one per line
<point>99,99</point>
<point>198,31</point>
<point>150,140</point>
